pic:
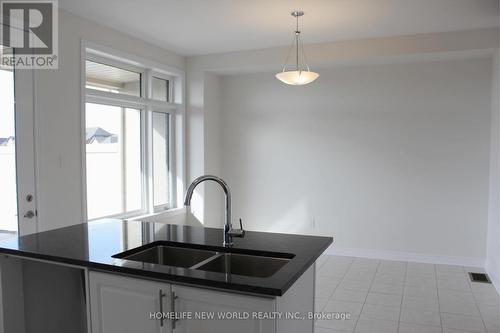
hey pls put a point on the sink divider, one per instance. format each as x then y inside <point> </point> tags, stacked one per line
<point>206,261</point>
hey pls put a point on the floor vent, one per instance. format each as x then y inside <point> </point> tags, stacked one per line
<point>479,277</point>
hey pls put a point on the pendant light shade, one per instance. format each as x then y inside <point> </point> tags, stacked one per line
<point>299,76</point>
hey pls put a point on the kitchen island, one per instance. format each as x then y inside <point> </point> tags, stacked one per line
<point>129,276</point>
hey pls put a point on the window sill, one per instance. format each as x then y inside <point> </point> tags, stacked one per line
<point>163,214</point>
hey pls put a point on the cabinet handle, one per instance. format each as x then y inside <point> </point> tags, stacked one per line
<point>172,300</point>
<point>161,295</point>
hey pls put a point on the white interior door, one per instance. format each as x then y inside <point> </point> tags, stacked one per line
<point>18,212</point>
<point>25,151</point>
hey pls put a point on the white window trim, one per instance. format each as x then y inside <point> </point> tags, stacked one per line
<point>175,108</point>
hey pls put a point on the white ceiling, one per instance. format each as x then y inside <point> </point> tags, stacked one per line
<point>192,27</point>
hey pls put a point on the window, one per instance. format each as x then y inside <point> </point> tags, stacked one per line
<point>113,150</point>
<point>112,79</point>
<point>128,139</point>
<point>160,159</point>
<point>160,89</point>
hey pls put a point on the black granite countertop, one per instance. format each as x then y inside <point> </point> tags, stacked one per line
<point>95,243</point>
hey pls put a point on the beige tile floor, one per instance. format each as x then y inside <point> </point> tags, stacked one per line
<point>403,297</point>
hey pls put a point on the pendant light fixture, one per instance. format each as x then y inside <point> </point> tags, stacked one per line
<point>299,76</point>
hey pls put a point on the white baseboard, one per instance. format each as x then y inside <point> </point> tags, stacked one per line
<point>406,256</point>
<point>494,279</point>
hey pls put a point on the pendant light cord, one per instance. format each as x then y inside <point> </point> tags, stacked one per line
<point>304,56</point>
<point>297,34</point>
<point>289,52</point>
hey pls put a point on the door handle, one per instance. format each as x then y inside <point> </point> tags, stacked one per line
<point>172,300</point>
<point>161,294</point>
<point>29,214</point>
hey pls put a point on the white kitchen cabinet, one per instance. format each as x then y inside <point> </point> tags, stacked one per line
<point>123,305</point>
<point>193,301</point>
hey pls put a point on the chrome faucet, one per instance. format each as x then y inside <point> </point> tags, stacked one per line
<point>229,232</point>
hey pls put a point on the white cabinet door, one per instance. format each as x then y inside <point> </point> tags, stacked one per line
<point>124,305</point>
<point>190,300</point>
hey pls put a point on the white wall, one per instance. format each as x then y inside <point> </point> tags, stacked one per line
<point>58,117</point>
<point>214,196</point>
<point>383,157</point>
<point>195,145</point>
<point>208,128</point>
<point>493,240</point>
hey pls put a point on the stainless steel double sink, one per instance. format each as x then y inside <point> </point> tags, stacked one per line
<point>220,260</point>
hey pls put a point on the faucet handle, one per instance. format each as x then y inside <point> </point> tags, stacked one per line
<point>240,233</point>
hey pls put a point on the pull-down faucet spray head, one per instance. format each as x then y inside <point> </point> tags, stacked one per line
<point>229,232</point>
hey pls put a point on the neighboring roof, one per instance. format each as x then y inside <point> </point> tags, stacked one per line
<point>95,131</point>
<point>99,135</point>
<point>7,141</point>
